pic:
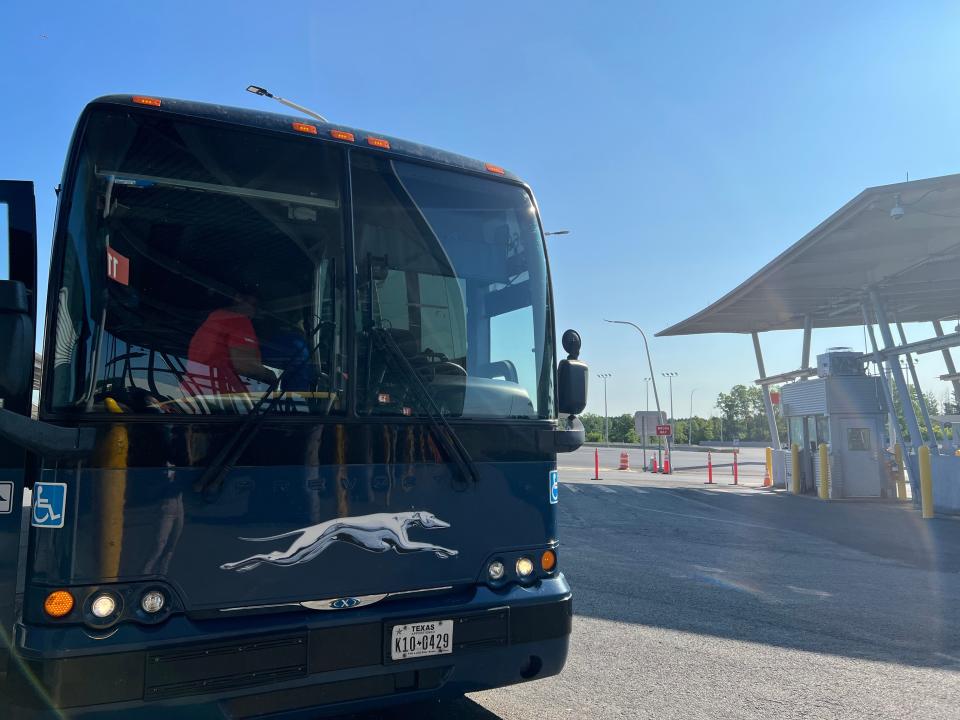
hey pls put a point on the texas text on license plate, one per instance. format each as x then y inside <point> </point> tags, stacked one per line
<point>429,637</point>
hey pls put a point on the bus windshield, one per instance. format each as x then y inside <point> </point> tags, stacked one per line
<point>205,266</point>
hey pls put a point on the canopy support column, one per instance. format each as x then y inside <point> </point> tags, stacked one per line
<point>767,402</point>
<point>895,430</point>
<point>807,333</point>
<point>921,400</point>
<point>906,403</point>
<point>948,361</point>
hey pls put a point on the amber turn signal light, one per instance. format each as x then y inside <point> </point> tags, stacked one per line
<point>143,100</point>
<point>548,561</point>
<point>58,603</point>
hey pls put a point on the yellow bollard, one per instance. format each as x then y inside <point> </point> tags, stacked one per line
<point>768,478</point>
<point>824,473</point>
<point>110,491</point>
<point>926,483</point>
<point>901,476</point>
<point>795,476</point>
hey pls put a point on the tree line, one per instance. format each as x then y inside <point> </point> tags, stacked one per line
<point>742,416</point>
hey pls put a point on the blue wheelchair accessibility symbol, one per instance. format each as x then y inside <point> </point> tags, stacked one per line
<point>49,505</point>
<point>554,487</point>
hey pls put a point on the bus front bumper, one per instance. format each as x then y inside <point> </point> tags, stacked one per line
<point>337,662</point>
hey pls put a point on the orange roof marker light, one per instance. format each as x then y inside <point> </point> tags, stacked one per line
<point>305,128</point>
<point>379,142</point>
<point>494,169</point>
<point>342,135</point>
<point>144,100</point>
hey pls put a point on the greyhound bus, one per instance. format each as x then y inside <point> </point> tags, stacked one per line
<point>298,426</point>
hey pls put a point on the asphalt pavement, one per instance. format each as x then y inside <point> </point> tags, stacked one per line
<point>696,601</point>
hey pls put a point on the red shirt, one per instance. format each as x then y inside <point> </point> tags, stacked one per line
<point>209,367</point>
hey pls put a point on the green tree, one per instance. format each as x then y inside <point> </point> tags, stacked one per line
<point>622,429</point>
<point>593,427</point>
<point>744,415</point>
<point>933,406</point>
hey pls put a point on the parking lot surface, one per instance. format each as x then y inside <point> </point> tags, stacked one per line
<point>738,602</point>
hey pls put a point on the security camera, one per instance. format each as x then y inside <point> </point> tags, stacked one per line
<point>897,211</point>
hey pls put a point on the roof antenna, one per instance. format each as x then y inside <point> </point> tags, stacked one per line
<point>266,93</point>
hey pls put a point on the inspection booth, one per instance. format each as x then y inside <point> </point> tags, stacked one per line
<point>846,409</point>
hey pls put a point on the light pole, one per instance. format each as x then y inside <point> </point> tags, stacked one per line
<point>646,382</point>
<point>646,345</point>
<point>606,425</point>
<point>690,422</point>
<point>670,376</point>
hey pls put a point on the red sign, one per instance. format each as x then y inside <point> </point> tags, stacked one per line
<point>118,267</point>
<point>664,430</point>
<point>775,397</point>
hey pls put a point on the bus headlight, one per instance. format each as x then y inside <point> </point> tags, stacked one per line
<point>495,570</point>
<point>525,567</point>
<point>103,606</point>
<point>152,601</point>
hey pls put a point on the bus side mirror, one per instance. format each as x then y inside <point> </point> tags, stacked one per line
<point>16,348</point>
<point>572,376</point>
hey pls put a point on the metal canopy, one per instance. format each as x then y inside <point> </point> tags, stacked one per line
<point>913,263</point>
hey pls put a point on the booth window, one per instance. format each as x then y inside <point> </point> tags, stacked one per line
<point>858,439</point>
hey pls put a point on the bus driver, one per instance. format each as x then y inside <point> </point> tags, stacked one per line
<point>225,347</point>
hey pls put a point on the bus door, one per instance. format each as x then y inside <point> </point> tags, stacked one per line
<point>18,280</point>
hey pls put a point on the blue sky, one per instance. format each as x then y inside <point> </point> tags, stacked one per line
<point>683,144</point>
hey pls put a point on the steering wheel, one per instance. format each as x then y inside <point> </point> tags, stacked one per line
<point>448,367</point>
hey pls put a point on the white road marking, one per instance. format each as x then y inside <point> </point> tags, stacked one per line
<point>606,489</point>
<point>809,591</point>
<point>704,517</point>
<point>571,488</point>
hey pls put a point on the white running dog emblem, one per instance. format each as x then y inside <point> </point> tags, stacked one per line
<point>378,533</point>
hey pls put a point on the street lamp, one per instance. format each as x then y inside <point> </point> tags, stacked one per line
<point>606,425</point>
<point>646,345</point>
<point>670,376</point>
<point>646,382</point>
<point>690,422</point>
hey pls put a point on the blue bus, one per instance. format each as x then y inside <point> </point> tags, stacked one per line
<point>297,432</point>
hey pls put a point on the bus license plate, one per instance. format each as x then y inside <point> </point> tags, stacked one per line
<point>430,637</point>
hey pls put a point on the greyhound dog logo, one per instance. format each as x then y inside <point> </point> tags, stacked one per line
<point>379,533</point>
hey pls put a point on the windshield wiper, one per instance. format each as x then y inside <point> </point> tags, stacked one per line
<point>451,442</point>
<point>212,477</point>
